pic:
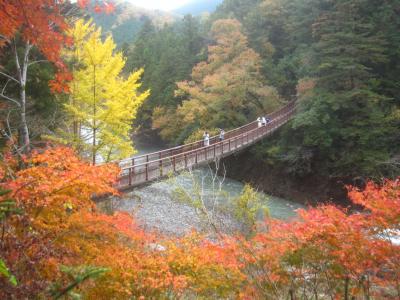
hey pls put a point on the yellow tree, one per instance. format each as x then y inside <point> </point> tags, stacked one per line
<point>102,103</point>
<point>225,91</point>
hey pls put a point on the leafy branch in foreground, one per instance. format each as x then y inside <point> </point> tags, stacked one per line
<point>77,275</point>
<point>7,208</point>
<point>5,272</point>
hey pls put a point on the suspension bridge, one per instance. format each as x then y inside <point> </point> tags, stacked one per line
<point>140,170</point>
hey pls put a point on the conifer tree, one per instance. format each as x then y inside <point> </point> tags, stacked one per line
<point>345,111</point>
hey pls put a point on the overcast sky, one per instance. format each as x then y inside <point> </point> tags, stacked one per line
<point>160,4</point>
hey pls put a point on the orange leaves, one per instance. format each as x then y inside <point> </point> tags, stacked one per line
<point>383,203</point>
<point>98,6</point>
<point>59,83</point>
<point>83,3</point>
<point>321,251</point>
<point>42,23</point>
<point>58,176</point>
<point>331,245</point>
<point>210,268</point>
<point>109,8</point>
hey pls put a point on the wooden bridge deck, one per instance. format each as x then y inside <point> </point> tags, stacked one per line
<point>143,169</point>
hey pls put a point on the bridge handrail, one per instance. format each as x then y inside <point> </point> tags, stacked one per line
<point>198,144</point>
<point>205,148</point>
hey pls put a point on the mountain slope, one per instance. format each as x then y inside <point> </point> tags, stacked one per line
<point>197,7</point>
<point>127,19</point>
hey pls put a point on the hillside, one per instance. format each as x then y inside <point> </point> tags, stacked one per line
<point>127,19</point>
<point>197,7</point>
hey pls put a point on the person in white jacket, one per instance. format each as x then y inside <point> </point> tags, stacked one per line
<point>263,121</point>
<point>259,122</point>
<point>206,137</point>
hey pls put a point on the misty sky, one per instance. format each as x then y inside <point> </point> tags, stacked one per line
<point>160,4</point>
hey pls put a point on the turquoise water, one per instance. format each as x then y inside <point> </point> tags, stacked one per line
<point>157,201</point>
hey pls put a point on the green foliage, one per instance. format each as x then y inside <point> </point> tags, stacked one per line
<point>248,206</point>
<point>76,275</point>
<point>168,55</point>
<point>198,135</point>
<point>43,108</point>
<point>7,208</point>
<point>226,91</point>
<point>127,20</point>
<point>5,272</point>
<point>338,58</point>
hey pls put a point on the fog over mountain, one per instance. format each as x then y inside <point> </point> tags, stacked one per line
<point>197,7</point>
<point>127,19</point>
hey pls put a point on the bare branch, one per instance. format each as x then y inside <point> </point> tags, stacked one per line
<point>10,99</point>
<point>5,86</point>
<point>37,62</point>
<point>8,123</point>
<point>9,77</point>
<point>17,60</point>
<point>5,38</point>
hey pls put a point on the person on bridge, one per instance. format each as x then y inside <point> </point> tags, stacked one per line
<point>263,121</point>
<point>221,135</point>
<point>206,137</point>
<point>259,122</point>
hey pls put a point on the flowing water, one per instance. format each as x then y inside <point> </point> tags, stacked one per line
<point>157,207</point>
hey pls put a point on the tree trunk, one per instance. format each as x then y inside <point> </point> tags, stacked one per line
<point>346,288</point>
<point>24,140</point>
<point>94,117</point>
<point>291,295</point>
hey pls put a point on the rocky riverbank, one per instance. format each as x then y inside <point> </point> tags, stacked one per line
<point>156,207</point>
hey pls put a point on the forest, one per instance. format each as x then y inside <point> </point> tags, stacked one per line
<point>77,85</point>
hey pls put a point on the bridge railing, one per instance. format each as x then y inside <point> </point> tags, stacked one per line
<point>155,156</point>
<point>153,169</point>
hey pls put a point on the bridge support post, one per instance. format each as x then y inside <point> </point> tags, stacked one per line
<point>185,161</point>
<point>147,172</point>
<point>173,163</point>
<point>196,158</point>
<point>160,167</point>
<point>214,150</point>
<point>130,177</point>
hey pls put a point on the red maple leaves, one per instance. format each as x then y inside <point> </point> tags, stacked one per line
<point>326,251</point>
<point>43,23</point>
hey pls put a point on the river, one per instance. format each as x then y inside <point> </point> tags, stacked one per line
<point>156,206</point>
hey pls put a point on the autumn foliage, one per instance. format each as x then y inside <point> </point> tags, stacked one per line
<point>44,23</point>
<point>327,252</point>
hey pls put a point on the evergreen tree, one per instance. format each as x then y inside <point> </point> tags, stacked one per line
<point>168,55</point>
